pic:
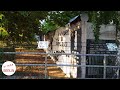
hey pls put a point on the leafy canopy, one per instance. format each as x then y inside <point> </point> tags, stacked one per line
<point>21,25</point>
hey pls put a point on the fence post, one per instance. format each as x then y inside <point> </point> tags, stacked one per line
<point>118,60</point>
<point>1,54</point>
<point>46,66</point>
<point>118,73</point>
<point>104,63</point>
<point>84,19</point>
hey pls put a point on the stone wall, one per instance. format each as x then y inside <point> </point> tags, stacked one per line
<point>107,32</point>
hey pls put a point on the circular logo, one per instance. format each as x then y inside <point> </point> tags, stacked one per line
<point>8,68</point>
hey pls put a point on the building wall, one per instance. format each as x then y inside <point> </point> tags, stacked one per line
<point>107,32</point>
<point>61,43</point>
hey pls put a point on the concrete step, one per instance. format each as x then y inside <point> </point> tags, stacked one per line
<point>27,70</point>
<point>52,71</point>
<point>30,61</point>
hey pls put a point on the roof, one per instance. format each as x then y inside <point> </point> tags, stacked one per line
<point>73,19</point>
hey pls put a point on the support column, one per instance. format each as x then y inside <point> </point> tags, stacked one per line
<point>84,19</point>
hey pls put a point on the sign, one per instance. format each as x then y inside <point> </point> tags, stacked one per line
<point>8,68</point>
<point>43,44</point>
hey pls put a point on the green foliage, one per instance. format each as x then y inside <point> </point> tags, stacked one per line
<point>21,25</point>
<point>102,17</point>
<point>96,17</point>
<point>3,32</point>
<point>1,16</point>
<point>96,25</point>
<point>61,18</point>
<point>56,19</point>
<point>48,26</point>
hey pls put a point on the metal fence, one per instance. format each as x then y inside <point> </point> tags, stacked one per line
<point>46,69</point>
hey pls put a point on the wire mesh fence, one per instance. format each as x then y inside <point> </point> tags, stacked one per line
<point>38,65</point>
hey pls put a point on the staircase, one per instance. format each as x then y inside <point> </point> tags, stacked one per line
<point>35,72</point>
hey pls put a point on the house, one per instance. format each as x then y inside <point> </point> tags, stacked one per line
<point>77,37</point>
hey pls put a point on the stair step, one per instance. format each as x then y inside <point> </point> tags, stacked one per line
<point>52,71</point>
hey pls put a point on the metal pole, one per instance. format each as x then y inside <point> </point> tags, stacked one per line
<point>118,73</point>
<point>1,54</point>
<point>1,34</point>
<point>46,67</point>
<point>118,59</point>
<point>104,63</point>
<point>83,61</point>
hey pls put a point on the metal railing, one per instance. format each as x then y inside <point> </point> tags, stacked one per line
<point>98,71</point>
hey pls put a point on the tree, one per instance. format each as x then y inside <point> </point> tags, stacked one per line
<point>3,32</point>
<point>61,18</point>
<point>48,26</point>
<point>21,25</point>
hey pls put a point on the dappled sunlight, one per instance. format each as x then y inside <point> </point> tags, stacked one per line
<point>28,71</point>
